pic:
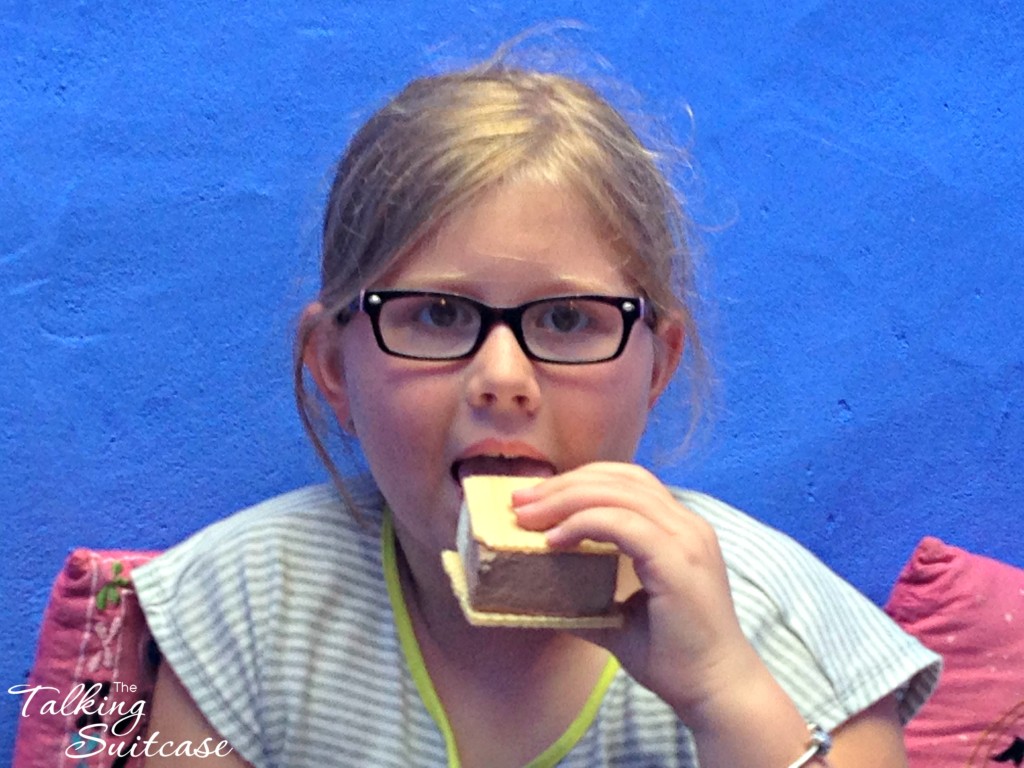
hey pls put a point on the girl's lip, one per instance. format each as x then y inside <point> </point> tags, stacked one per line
<point>495,447</point>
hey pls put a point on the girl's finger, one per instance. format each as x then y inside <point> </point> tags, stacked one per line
<point>655,503</point>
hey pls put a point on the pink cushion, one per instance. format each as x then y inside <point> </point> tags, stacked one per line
<point>93,638</point>
<point>969,609</point>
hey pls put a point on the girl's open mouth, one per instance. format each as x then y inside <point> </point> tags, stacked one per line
<point>514,466</point>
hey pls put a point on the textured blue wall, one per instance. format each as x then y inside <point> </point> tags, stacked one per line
<point>161,177</point>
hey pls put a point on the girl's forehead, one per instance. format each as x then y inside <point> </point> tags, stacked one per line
<point>509,276</point>
<point>525,233</point>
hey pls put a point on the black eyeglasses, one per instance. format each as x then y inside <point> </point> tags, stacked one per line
<point>424,325</point>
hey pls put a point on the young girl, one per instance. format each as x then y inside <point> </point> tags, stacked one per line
<point>499,256</point>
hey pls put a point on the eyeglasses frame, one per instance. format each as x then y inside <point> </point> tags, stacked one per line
<point>372,302</point>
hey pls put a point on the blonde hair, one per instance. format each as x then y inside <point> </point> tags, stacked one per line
<point>445,139</point>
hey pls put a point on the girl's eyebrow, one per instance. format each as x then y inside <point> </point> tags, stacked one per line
<point>461,283</point>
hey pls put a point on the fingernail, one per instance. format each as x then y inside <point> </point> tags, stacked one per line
<point>524,510</point>
<point>523,497</point>
<point>555,537</point>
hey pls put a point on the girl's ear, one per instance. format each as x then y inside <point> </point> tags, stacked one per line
<point>322,357</point>
<point>669,342</point>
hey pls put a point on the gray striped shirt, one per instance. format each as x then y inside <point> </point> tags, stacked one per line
<point>278,622</point>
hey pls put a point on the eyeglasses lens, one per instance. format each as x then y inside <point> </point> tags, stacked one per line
<point>572,330</point>
<point>434,327</point>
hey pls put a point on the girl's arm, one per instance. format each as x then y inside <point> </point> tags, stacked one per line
<point>177,719</point>
<point>682,638</point>
<point>872,738</point>
<point>760,726</point>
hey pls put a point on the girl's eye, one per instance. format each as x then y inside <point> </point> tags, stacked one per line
<point>444,313</point>
<point>565,318</point>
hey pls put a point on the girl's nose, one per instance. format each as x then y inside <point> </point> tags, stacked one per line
<point>500,375</point>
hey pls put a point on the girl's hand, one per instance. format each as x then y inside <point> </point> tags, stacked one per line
<point>681,637</point>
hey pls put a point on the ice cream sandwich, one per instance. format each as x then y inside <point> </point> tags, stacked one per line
<point>505,575</point>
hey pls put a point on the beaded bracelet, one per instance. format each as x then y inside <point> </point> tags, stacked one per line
<point>819,745</point>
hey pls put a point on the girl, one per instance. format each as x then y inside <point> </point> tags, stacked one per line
<point>499,256</point>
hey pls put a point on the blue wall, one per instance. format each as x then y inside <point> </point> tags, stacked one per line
<point>162,172</point>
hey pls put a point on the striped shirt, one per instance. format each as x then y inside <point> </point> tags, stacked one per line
<point>286,624</point>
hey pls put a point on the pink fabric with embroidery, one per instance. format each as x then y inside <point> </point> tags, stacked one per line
<point>93,643</point>
<point>969,609</point>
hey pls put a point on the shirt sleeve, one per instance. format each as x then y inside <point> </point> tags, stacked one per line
<point>221,605</point>
<point>205,609</point>
<point>831,649</point>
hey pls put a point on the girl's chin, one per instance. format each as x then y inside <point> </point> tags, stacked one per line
<point>434,527</point>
